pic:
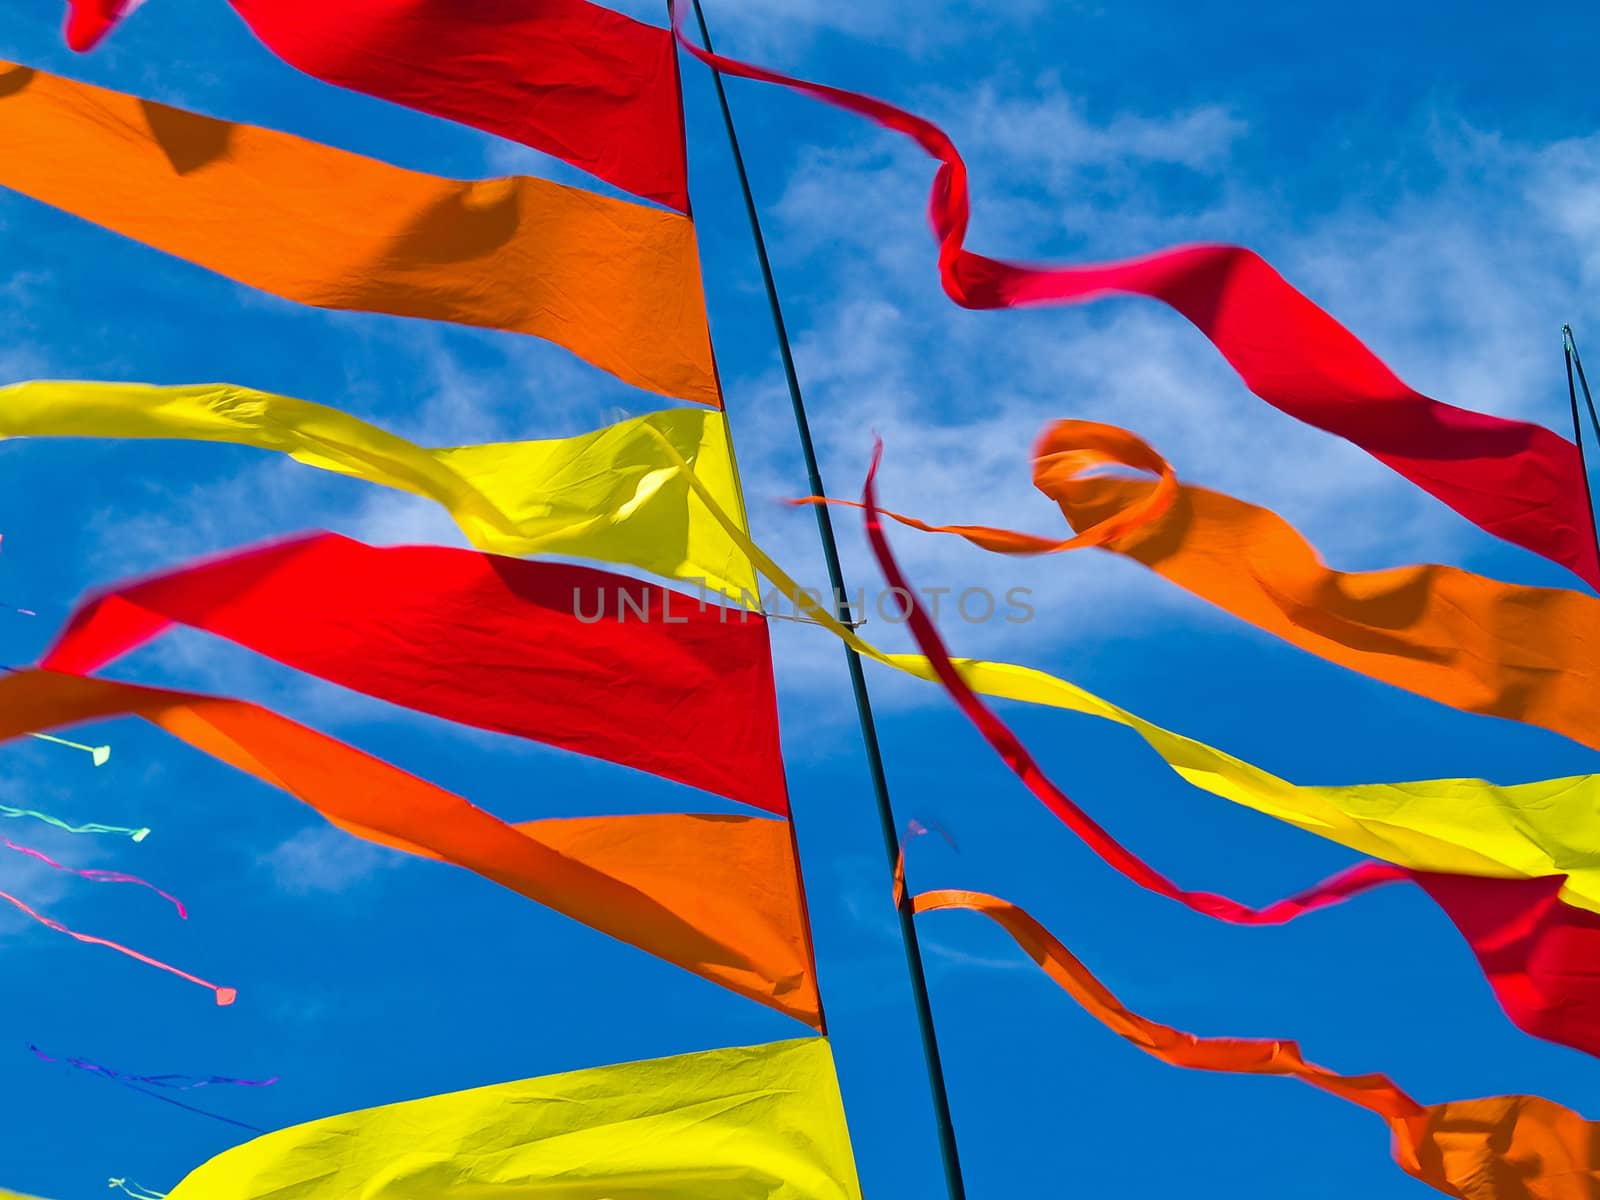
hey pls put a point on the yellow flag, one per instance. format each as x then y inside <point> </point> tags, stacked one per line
<point>612,495</point>
<point>759,1123</point>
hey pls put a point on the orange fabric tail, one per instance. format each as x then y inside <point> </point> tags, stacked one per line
<point>716,895</point>
<point>1499,1148</point>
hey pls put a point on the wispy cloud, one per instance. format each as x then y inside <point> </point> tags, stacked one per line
<point>320,860</point>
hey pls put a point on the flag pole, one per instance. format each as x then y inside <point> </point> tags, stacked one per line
<point>858,681</point>
<point>1569,346</point>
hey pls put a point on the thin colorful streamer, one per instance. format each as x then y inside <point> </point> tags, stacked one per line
<point>99,755</point>
<point>576,658</point>
<point>129,1187</point>
<point>137,835</point>
<point>1518,481</point>
<point>610,495</point>
<point>586,84</point>
<point>95,875</point>
<point>224,995</point>
<point>616,283</point>
<point>758,1123</point>
<point>90,20</point>
<point>1526,654</point>
<point>717,895</point>
<point>181,1083</point>
<point>1498,1148</point>
<point>144,1084</point>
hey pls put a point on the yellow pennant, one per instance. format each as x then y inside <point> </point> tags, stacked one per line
<point>613,495</point>
<point>759,1123</point>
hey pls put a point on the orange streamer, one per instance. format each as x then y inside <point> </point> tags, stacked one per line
<point>1498,1148</point>
<point>1527,654</point>
<point>717,895</point>
<point>616,283</point>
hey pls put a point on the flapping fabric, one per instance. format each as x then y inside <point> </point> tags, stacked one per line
<point>1527,654</point>
<point>759,1123</point>
<point>570,78</point>
<point>1518,481</point>
<point>1498,1148</point>
<point>567,494</point>
<point>716,895</point>
<point>1466,826</point>
<point>5,1195</point>
<point>610,495</point>
<point>1534,949</point>
<point>1541,956</point>
<point>617,283</point>
<point>573,657</point>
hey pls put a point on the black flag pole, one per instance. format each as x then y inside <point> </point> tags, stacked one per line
<point>1569,345</point>
<point>858,680</point>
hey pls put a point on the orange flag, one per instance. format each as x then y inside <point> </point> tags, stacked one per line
<point>1499,1148</point>
<point>717,895</point>
<point>616,283</point>
<point>1528,654</point>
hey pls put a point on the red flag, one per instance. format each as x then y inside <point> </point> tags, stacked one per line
<point>577,81</point>
<point>566,655</point>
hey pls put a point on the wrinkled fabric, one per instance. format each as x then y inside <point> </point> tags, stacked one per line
<point>1526,654</point>
<point>757,1123</point>
<point>614,282</point>
<point>610,495</point>
<point>580,659</point>
<point>1542,978</point>
<point>499,496</point>
<point>1498,1148</point>
<point>1447,825</point>
<point>717,895</point>
<point>1518,481</point>
<point>585,84</point>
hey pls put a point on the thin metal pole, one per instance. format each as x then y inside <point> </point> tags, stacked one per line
<point>1569,346</point>
<point>858,680</point>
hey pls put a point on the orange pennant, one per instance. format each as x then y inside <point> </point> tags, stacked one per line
<point>717,895</point>
<point>1498,1148</point>
<point>1527,654</point>
<point>616,283</point>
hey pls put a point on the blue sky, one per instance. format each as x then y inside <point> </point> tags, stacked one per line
<point>1428,172</point>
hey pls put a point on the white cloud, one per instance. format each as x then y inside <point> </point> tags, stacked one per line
<point>321,859</point>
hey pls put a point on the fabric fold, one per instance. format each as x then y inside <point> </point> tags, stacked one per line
<point>590,86</point>
<point>576,658</point>
<point>610,495</point>
<point>755,1123</point>
<point>717,895</point>
<point>1497,1148</point>
<point>1516,480</point>
<point>616,283</point>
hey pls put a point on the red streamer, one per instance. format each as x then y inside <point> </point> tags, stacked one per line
<point>1518,481</point>
<point>574,657</point>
